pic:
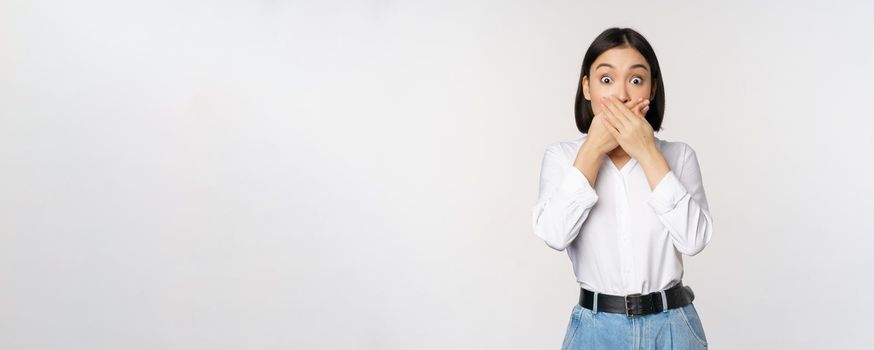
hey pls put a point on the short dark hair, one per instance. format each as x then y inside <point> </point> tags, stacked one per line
<point>608,39</point>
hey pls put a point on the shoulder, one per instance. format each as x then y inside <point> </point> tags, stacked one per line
<point>677,153</point>
<point>562,153</point>
<point>672,149</point>
<point>565,148</point>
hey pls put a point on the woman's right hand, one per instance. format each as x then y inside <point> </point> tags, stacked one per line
<point>599,139</point>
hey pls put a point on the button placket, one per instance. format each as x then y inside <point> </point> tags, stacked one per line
<point>623,232</point>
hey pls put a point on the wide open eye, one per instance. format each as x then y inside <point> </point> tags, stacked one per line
<point>606,80</point>
<point>638,79</point>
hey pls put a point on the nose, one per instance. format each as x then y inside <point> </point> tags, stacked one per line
<point>621,93</point>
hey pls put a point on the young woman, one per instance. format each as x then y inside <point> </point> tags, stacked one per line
<point>625,205</point>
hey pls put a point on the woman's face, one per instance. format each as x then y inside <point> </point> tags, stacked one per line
<point>621,72</point>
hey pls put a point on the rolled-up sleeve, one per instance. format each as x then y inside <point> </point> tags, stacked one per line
<point>564,201</point>
<point>681,205</point>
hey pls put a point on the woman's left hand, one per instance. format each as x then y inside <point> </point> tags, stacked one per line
<point>632,131</point>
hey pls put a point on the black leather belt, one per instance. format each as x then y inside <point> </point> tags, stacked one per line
<point>639,304</point>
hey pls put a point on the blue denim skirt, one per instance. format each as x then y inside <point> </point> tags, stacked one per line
<point>677,328</point>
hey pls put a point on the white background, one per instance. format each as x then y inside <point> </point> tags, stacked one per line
<point>360,174</point>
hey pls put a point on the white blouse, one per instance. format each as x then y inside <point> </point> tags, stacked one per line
<point>623,238</point>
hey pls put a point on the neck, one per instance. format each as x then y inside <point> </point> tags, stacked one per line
<point>617,152</point>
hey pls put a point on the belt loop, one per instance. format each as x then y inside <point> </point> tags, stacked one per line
<point>595,304</point>
<point>664,301</point>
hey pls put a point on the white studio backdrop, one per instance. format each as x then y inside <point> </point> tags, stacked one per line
<point>360,174</point>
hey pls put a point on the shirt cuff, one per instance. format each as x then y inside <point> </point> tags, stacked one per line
<point>667,194</point>
<point>575,182</point>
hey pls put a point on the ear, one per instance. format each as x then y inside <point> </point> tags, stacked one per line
<point>585,82</point>
<point>653,94</point>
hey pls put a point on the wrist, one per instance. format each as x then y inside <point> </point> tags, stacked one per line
<point>589,150</point>
<point>588,153</point>
<point>651,155</point>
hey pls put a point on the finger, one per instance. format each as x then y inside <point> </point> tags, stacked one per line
<point>637,107</point>
<point>610,118</point>
<point>631,104</point>
<point>641,109</point>
<point>610,105</point>
<point>635,104</point>
<point>610,126</point>
<point>613,124</point>
<point>622,111</point>
<point>638,111</point>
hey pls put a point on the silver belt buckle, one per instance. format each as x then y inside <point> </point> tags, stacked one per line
<point>627,309</point>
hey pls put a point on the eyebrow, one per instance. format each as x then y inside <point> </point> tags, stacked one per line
<point>632,66</point>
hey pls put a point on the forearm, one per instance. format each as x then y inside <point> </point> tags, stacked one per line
<point>681,205</point>
<point>654,165</point>
<point>566,197</point>
<point>588,161</point>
